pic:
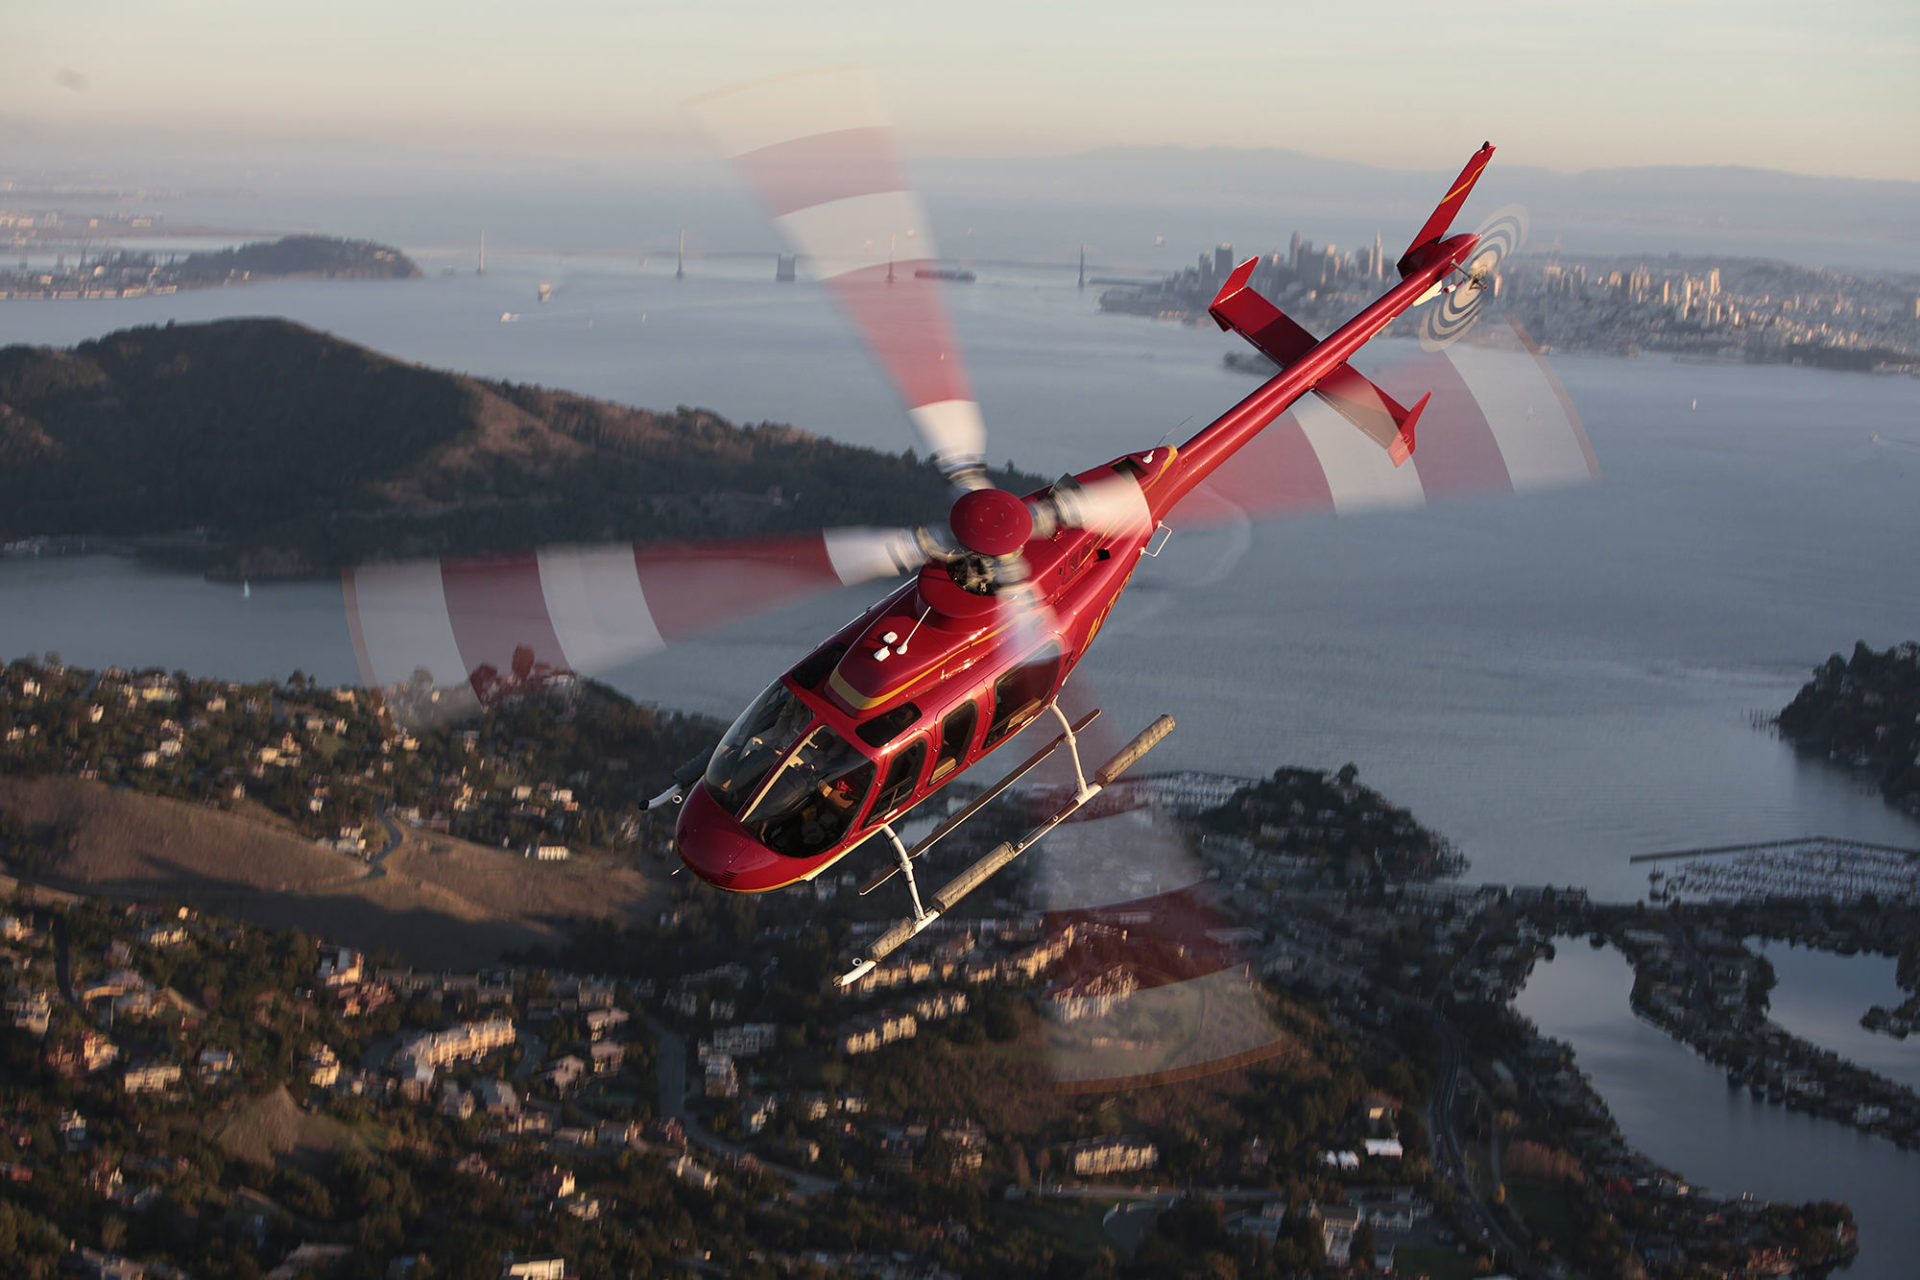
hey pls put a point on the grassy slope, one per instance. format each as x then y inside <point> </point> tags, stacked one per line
<point>441,902</point>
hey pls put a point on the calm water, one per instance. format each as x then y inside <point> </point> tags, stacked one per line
<point>1678,1109</point>
<point>1819,996</point>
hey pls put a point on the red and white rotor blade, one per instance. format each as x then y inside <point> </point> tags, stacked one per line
<point>1109,503</point>
<point>480,629</point>
<point>1150,985</point>
<point>1499,422</point>
<point>818,149</point>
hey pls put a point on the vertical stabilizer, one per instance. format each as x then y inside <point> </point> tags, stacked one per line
<point>1443,214</point>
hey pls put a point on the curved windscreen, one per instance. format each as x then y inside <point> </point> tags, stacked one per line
<point>814,797</point>
<point>773,722</point>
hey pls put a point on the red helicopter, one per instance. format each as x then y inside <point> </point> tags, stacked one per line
<point>946,668</point>
<point>1005,600</point>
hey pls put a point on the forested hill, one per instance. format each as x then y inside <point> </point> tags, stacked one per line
<point>284,450</point>
<point>296,256</point>
<point>1864,711</point>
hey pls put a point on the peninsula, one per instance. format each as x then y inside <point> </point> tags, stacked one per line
<point>1863,712</point>
<point>260,448</point>
<point>672,1044</point>
<point>1739,310</point>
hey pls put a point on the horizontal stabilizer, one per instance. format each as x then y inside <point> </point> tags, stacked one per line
<point>1378,415</point>
<point>1443,214</point>
<point>1251,316</point>
<point>1496,421</point>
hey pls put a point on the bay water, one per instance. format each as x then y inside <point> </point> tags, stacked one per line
<point>1555,682</point>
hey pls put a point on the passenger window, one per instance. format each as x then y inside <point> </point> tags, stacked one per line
<point>1019,695</point>
<point>887,726</point>
<point>956,735</point>
<point>901,777</point>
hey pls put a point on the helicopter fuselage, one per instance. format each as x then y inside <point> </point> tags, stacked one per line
<point>920,686</point>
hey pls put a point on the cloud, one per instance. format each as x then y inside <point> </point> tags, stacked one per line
<point>68,78</point>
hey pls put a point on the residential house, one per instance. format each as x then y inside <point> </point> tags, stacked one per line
<point>1338,1222</point>
<point>553,1184</point>
<point>532,1268</point>
<point>153,1077</point>
<point>564,1073</point>
<point>497,1098</point>
<point>602,1021</point>
<point>1100,1156</point>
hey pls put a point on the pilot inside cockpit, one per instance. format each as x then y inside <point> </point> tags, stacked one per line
<point>814,797</point>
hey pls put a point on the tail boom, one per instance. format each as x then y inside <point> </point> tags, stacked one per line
<point>1220,439</point>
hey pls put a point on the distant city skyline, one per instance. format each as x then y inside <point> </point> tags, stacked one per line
<point>1768,85</point>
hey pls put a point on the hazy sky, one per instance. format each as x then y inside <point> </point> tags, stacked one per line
<point>1828,88</point>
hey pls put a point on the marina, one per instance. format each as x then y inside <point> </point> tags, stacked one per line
<point>1812,867</point>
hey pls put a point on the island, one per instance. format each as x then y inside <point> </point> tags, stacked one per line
<point>123,273</point>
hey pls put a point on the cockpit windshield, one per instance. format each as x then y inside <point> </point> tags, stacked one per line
<point>814,797</point>
<point>772,723</point>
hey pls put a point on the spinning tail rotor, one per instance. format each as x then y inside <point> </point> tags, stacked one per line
<point>1501,236</point>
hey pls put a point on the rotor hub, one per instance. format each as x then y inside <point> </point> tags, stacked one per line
<point>991,522</point>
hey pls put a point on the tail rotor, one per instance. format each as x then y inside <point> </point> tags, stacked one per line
<point>1501,236</point>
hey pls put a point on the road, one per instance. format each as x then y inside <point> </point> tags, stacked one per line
<point>532,1049</point>
<point>670,1067</point>
<point>1127,1225</point>
<point>63,959</point>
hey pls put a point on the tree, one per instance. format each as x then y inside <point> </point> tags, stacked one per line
<point>1364,1246</point>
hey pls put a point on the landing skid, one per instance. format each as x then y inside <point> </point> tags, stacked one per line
<point>978,874</point>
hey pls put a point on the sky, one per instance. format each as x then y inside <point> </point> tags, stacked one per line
<point>1830,89</point>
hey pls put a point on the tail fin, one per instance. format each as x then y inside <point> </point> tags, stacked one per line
<point>1443,214</point>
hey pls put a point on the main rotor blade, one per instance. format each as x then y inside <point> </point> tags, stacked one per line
<point>1499,422</point>
<point>1150,986</point>
<point>491,627</point>
<point>818,149</point>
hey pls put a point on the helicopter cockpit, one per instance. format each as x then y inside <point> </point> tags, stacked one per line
<point>794,784</point>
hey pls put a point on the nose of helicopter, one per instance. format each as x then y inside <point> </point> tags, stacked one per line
<point>714,846</point>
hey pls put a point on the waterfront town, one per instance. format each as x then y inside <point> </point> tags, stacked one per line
<point>1017,1094</point>
<point>1733,309</point>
